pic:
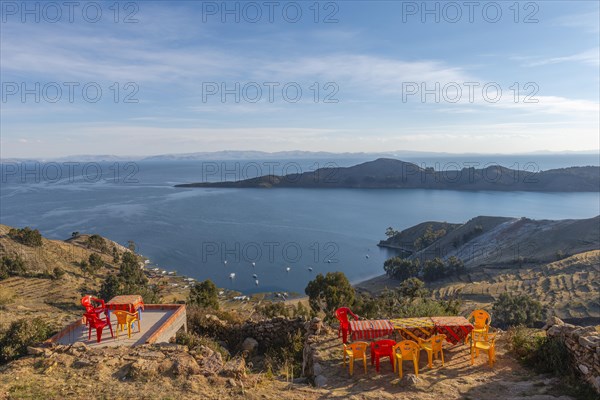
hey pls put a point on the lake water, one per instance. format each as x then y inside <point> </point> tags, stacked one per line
<point>211,233</point>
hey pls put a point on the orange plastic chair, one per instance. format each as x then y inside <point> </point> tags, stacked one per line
<point>355,351</point>
<point>342,315</point>
<point>484,342</point>
<point>126,318</point>
<point>382,348</point>
<point>481,322</point>
<point>406,350</point>
<point>433,346</point>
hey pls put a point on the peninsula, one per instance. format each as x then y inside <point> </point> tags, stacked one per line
<point>387,173</point>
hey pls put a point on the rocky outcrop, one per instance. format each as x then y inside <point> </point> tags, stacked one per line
<point>584,345</point>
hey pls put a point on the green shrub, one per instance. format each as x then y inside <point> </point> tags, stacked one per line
<point>96,242</point>
<point>12,267</point>
<point>277,309</point>
<point>26,236</point>
<point>428,237</point>
<point>285,356</point>
<point>95,262</point>
<point>204,294</point>
<point>328,293</point>
<point>20,334</point>
<point>410,299</point>
<point>509,310</point>
<point>58,273</point>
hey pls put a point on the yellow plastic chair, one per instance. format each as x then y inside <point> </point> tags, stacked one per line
<point>126,318</point>
<point>406,350</point>
<point>355,351</point>
<point>481,323</point>
<point>433,346</point>
<point>484,342</point>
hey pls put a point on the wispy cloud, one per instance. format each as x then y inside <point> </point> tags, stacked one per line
<point>590,57</point>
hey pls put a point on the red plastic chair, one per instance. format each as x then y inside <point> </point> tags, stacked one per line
<point>382,348</point>
<point>88,303</point>
<point>98,324</point>
<point>342,315</point>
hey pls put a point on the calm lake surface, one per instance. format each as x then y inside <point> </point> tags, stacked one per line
<point>211,233</point>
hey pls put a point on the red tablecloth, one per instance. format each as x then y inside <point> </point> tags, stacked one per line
<point>456,329</point>
<point>129,302</point>
<point>370,329</point>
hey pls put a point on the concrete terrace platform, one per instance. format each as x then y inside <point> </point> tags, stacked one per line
<point>160,322</point>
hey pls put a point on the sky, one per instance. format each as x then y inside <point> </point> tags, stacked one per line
<point>152,77</point>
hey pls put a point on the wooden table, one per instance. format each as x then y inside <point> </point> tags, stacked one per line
<point>414,328</point>
<point>370,329</point>
<point>456,329</point>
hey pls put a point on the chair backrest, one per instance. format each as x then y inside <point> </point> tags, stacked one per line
<point>407,348</point>
<point>342,315</point>
<point>358,348</point>
<point>124,317</point>
<point>384,344</point>
<point>437,342</point>
<point>481,318</point>
<point>87,302</point>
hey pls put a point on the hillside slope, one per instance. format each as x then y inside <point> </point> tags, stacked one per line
<point>557,262</point>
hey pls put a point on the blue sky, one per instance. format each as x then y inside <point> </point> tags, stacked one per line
<point>371,62</point>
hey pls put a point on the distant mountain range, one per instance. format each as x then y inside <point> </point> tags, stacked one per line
<point>386,173</point>
<point>263,155</point>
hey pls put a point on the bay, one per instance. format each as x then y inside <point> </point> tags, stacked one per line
<point>212,233</point>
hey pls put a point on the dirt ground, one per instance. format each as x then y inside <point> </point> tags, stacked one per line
<point>104,375</point>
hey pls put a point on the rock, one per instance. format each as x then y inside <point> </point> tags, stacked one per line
<point>555,330</point>
<point>82,363</point>
<point>185,364</point>
<point>250,345</point>
<point>587,342</point>
<point>300,381</point>
<point>210,361</point>
<point>151,355</point>
<point>320,381</point>
<point>596,383</point>
<point>317,369</point>
<point>409,380</point>
<point>142,370</point>
<point>553,321</point>
<point>234,368</point>
<point>36,351</point>
<point>80,346</point>
<point>216,319</point>
<point>583,369</point>
<point>231,383</point>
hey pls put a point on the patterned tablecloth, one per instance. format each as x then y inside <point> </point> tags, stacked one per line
<point>413,328</point>
<point>456,329</point>
<point>370,329</point>
<point>129,302</point>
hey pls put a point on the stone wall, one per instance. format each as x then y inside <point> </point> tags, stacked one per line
<point>311,360</point>
<point>584,345</point>
<point>272,332</point>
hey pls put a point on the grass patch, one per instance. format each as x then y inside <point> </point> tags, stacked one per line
<point>549,356</point>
